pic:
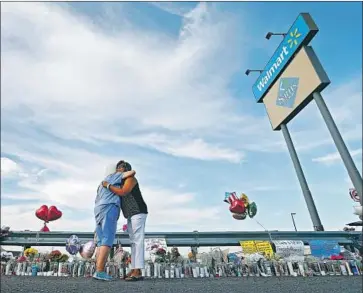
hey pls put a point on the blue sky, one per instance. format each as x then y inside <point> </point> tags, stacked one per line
<point>163,86</point>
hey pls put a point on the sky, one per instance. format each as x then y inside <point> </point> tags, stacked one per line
<point>162,85</point>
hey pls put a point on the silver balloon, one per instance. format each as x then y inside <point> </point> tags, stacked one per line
<point>240,216</point>
<point>73,245</point>
<point>88,249</point>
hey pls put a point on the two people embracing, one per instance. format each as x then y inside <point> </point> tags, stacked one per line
<point>118,192</point>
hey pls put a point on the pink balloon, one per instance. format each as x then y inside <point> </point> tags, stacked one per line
<point>88,249</point>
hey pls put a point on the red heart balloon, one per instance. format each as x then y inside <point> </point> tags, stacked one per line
<point>42,213</point>
<point>54,214</point>
<point>45,229</point>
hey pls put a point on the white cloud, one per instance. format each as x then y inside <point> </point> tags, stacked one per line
<point>60,76</point>
<point>8,167</point>
<point>11,169</point>
<point>181,147</point>
<point>172,8</point>
<point>334,157</point>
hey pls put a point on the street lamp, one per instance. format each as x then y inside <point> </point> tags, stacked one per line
<point>270,34</point>
<point>293,220</point>
<point>248,71</point>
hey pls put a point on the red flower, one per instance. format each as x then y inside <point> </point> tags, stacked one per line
<point>161,251</point>
<point>22,259</point>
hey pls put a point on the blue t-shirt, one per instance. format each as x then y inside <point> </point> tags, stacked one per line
<point>105,198</point>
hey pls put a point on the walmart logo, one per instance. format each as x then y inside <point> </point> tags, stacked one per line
<point>294,35</point>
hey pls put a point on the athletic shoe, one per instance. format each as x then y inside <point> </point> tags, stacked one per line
<point>102,276</point>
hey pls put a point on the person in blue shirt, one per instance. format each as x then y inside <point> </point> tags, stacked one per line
<point>107,212</point>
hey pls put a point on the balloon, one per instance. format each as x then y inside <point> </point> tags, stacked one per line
<point>229,197</point>
<point>252,210</point>
<point>42,213</point>
<point>240,207</point>
<point>245,199</point>
<point>226,196</point>
<point>45,229</point>
<point>88,249</point>
<point>54,214</point>
<point>237,207</point>
<point>240,216</point>
<point>73,245</point>
<point>354,194</point>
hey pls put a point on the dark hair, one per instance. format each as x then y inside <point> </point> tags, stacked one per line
<point>123,164</point>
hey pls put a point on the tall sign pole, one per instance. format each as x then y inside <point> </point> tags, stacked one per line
<point>318,226</point>
<point>291,79</point>
<point>286,85</point>
<point>339,143</point>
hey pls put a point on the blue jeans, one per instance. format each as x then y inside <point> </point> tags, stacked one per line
<point>106,229</point>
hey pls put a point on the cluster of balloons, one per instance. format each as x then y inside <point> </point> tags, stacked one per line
<point>73,246</point>
<point>241,206</point>
<point>47,215</point>
<point>86,250</point>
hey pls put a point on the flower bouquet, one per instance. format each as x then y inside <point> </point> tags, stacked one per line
<point>55,255</point>
<point>175,255</point>
<point>160,254</point>
<point>30,253</point>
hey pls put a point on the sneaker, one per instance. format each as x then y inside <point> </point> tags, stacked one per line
<point>102,276</point>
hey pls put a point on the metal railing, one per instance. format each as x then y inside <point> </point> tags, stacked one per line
<point>181,239</point>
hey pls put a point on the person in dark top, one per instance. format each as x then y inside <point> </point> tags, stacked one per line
<point>135,211</point>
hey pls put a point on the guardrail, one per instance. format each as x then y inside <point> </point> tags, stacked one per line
<point>182,239</point>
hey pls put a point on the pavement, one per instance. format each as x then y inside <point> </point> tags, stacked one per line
<point>328,284</point>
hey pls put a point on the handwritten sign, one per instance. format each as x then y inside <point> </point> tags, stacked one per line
<point>248,247</point>
<point>290,250</point>
<point>158,242</point>
<point>264,247</point>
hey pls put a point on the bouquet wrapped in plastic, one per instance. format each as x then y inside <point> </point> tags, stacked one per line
<point>30,253</point>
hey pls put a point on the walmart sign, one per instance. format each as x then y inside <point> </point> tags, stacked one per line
<point>300,34</point>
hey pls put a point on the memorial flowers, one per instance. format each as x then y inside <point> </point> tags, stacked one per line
<point>30,253</point>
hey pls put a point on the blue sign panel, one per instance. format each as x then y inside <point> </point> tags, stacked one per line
<point>300,34</point>
<point>287,92</point>
<point>324,248</point>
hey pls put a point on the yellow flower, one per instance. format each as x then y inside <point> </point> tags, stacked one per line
<point>30,251</point>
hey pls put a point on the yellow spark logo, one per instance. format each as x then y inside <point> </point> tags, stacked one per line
<point>294,36</point>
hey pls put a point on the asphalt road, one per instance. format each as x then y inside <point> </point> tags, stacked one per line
<point>251,285</point>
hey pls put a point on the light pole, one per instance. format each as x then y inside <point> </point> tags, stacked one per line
<point>293,220</point>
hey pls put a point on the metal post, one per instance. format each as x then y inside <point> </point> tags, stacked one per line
<point>293,220</point>
<point>304,185</point>
<point>339,143</point>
